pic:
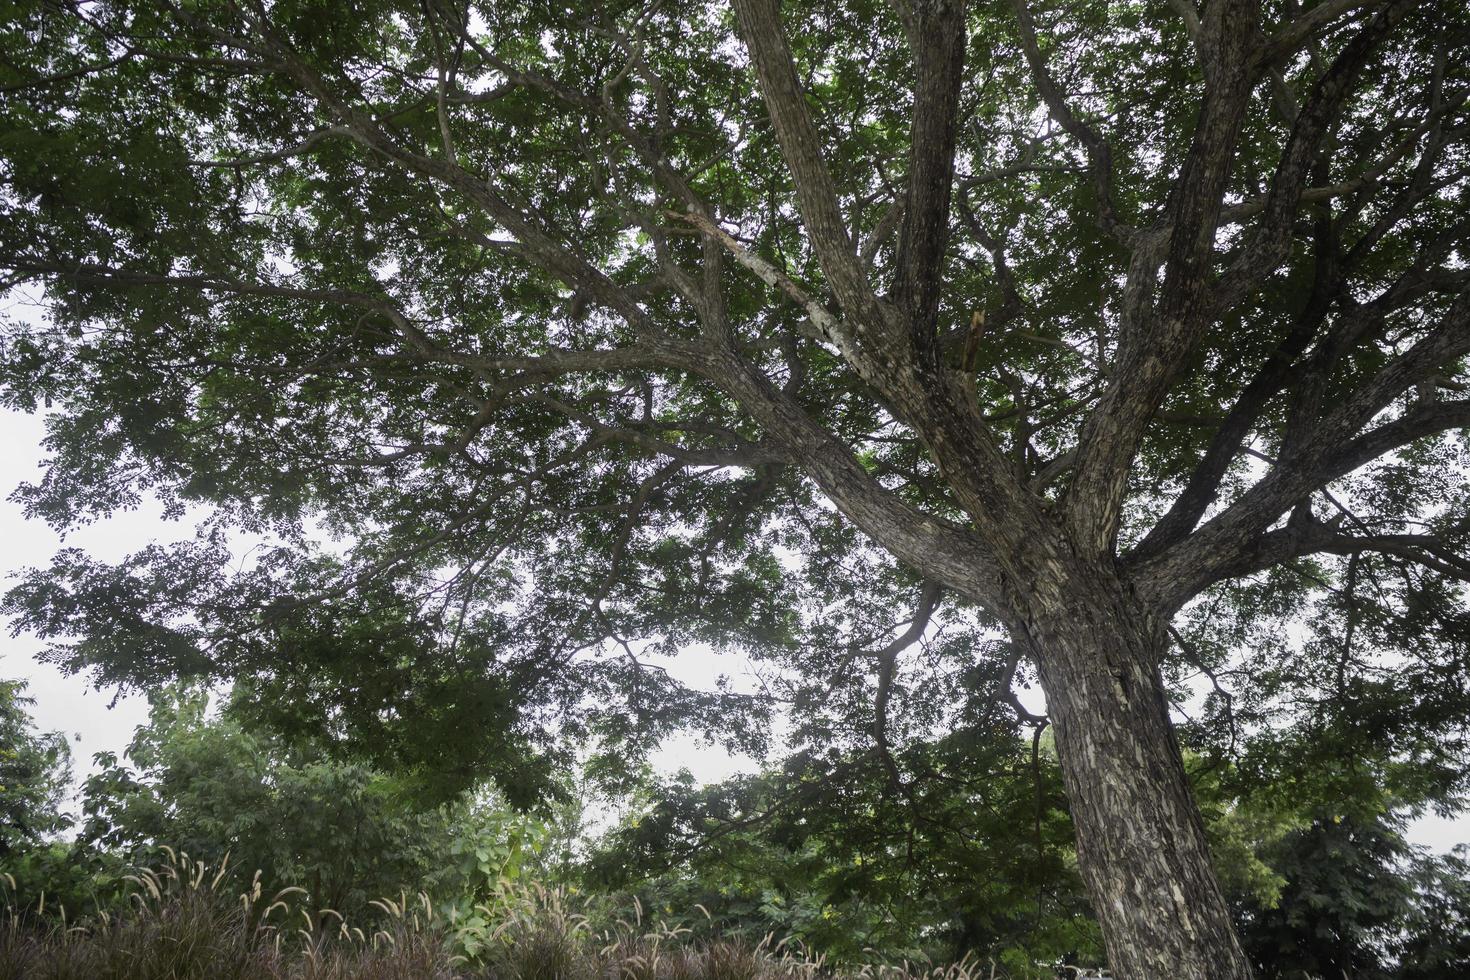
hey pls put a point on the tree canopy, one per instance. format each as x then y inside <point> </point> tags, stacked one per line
<point>1101,343</point>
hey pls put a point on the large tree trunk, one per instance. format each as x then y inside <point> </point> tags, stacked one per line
<point>1140,840</point>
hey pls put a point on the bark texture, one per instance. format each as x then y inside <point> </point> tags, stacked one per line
<point>1140,841</point>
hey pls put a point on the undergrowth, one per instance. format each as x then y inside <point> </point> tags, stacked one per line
<point>182,923</point>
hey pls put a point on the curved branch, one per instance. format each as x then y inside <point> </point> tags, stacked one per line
<point>887,660</point>
<point>1269,245</point>
<point>1099,153</point>
<point>1237,542</point>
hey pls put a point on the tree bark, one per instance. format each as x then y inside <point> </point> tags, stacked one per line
<point>1141,842</point>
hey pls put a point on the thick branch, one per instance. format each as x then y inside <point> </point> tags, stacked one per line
<point>1232,543</point>
<point>946,552</point>
<point>925,230</point>
<point>816,195</point>
<point>1154,349</point>
<point>1307,536</point>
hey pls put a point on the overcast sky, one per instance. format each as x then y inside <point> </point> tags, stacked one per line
<point>98,721</point>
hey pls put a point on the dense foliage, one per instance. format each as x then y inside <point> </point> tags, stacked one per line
<point>977,858</point>
<point>212,789</point>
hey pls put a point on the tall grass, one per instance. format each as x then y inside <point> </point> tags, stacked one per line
<point>182,923</point>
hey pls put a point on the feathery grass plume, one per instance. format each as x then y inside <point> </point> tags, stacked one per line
<point>182,923</point>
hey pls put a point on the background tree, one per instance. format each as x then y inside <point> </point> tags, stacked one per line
<point>35,774</point>
<point>595,332</point>
<point>1309,823</point>
<point>44,872</point>
<point>1306,829</point>
<point>220,790</point>
<point>1437,936</point>
<point>1343,897</point>
<point>970,858</point>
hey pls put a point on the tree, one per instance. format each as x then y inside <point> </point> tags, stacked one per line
<point>35,774</point>
<point>1342,898</point>
<point>594,331</point>
<point>1437,943</point>
<point>970,857</point>
<point>213,788</point>
<point>39,871</point>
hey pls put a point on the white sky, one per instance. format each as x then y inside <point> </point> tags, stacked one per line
<point>96,724</point>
